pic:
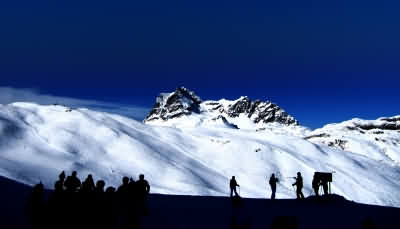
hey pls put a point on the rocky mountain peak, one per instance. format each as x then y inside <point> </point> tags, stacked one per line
<point>171,105</point>
<point>185,102</point>
<point>260,111</point>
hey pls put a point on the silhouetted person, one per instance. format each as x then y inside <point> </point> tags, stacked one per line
<point>299,186</point>
<point>315,185</point>
<point>88,184</point>
<point>123,190</point>
<point>72,183</point>
<point>233,184</point>
<point>35,206</point>
<point>142,189</point>
<point>87,213</point>
<point>99,211</point>
<point>110,208</point>
<point>124,204</point>
<point>132,186</point>
<point>99,186</point>
<point>57,203</point>
<point>74,207</point>
<point>59,185</point>
<point>272,182</point>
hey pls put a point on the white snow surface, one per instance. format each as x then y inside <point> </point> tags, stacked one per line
<point>38,142</point>
<point>369,138</point>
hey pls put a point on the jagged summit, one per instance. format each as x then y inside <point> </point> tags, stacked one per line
<point>183,102</point>
<point>172,105</point>
<point>258,111</point>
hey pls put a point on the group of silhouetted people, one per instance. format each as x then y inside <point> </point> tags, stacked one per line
<point>76,204</point>
<point>316,183</point>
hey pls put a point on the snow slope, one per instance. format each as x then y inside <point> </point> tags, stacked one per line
<point>377,139</point>
<point>37,142</point>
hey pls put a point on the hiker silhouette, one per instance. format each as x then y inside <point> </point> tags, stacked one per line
<point>315,184</point>
<point>233,184</point>
<point>132,189</point>
<point>99,186</point>
<point>125,207</point>
<point>59,185</point>
<point>72,183</point>
<point>86,199</point>
<point>88,184</point>
<point>272,182</point>
<point>299,186</point>
<point>35,206</point>
<point>57,203</point>
<point>142,189</point>
<point>132,186</point>
<point>110,207</point>
<point>142,186</point>
<point>99,210</point>
<point>123,193</point>
<point>75,204</point>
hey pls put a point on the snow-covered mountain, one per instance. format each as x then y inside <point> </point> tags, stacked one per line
<point>193,147</point>
<point>184,108</point>
<point>377,139</point>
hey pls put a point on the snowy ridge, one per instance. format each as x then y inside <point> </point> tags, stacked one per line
<point>378,139</point>
<point>37,142</point>
<point>183,108</point>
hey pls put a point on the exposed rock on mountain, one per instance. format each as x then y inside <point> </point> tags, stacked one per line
<point>222,121</point>
<point>183,102</point>
<point>257,111</point>
<point>175,104</point>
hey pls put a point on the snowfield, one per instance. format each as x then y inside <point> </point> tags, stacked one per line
<point>178,157</point>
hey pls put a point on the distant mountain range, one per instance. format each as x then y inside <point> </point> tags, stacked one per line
<point>184,102</point>
<point>190,146</point>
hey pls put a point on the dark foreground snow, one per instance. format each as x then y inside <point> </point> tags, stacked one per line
<point>175,211</point>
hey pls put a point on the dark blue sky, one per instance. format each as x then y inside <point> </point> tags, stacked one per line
<point>322,62</point>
